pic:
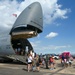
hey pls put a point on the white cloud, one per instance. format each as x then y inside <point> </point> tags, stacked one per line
<point>35,43</point>
<point>53,47</point>
<point>52,35</point>
<point>39,48</point>
<point>7,8</point>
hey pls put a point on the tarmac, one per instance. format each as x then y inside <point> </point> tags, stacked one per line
<point>21,69</point>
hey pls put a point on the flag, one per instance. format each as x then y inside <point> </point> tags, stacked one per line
<point>15,15</point>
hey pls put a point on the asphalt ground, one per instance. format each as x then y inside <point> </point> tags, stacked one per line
<point>15,69</point>
<point>21,69</point>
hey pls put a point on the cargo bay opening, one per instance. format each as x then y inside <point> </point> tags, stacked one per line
<point>19,40</point>
<point>19,36</point>
<point>21,46</point>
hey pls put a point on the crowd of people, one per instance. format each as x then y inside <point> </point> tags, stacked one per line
<point>35,61</point>
<point>66,59</point>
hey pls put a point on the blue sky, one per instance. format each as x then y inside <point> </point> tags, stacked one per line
<point>58,26</point>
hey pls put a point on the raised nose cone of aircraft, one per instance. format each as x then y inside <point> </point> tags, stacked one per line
<point>29,23</point>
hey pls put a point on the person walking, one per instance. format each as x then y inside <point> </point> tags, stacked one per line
<point>29,66</point>
<point>51,63</point>
<point>37,63</point>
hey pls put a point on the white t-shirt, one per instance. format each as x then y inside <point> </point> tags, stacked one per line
<point>29,59</point>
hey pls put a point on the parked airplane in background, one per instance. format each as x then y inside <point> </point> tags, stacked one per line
<point>28,24</point>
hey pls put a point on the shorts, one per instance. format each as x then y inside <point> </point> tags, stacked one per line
<point>37,64</point>
<point>29,62</point>
<point>50,62</point>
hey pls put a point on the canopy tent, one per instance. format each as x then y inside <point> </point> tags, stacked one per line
<point>65,54</point>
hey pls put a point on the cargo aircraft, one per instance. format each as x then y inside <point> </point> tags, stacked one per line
<point>27,25</point>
